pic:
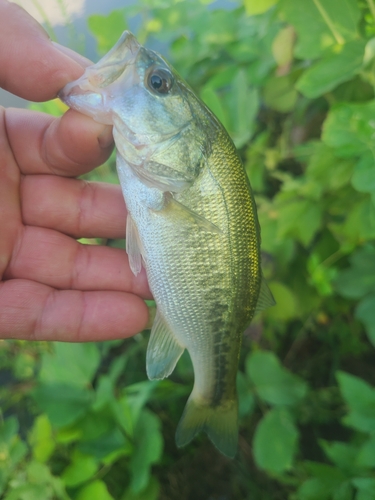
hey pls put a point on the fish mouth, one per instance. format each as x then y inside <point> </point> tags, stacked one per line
<point>88,93</point>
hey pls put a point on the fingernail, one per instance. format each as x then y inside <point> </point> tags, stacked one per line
<point>105,138</point>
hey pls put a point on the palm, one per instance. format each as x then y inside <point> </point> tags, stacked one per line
<point>51,286</point>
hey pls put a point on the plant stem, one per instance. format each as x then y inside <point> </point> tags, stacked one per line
<point>339,39</point>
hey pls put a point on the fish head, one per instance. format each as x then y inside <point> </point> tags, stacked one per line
<point>160,128</point>
<point>134,89</point>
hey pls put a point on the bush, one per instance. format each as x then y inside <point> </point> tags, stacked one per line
<point>293,82</point>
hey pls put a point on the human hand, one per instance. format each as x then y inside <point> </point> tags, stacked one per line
<point>52,287</point>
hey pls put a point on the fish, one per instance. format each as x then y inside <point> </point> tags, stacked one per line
<point>191,223</point>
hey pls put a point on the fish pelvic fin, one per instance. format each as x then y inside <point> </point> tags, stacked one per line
<point>133,246</point>
<point>163,350</point>
<point>220,422</point>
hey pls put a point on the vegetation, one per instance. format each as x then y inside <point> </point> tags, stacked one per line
<point>293,82</point>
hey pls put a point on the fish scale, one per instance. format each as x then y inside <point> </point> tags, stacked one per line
<point>192,224</point>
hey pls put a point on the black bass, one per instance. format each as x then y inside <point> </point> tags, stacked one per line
<point>191,223</point>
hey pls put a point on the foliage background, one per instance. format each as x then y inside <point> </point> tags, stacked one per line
<point>293,82</point>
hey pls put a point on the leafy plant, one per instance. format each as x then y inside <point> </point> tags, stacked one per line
<point>293,82</point>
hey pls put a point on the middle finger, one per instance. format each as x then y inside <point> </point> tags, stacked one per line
<point>75,207</point>
<point>52,258</point>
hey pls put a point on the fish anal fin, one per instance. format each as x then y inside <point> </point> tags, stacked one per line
<point>133,246</point>
<point>186,213</point>
<point>220,422</point>
<point>163,350</point>
<point>265,298</point>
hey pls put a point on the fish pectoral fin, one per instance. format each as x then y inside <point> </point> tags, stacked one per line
<point>185,212</point>
<point>162,177</point>
<point>133,246</point>
<point>163,350</point>
<point>265,298</point>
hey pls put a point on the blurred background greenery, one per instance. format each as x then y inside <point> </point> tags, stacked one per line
<point>293,83</point>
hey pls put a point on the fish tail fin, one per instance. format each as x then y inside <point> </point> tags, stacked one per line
<point>219,422</point>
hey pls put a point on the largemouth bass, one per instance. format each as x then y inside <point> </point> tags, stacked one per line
<point>191,223</point>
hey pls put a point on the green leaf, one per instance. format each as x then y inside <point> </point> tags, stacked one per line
<point>8,430</point>
<point>231,99</point>
<point>147,450</point>
<point>106,446</point>
<point>104,392</point>
<point>320,24</point>
<point>211,98</point>
<point>38,473</point>
<point>275,441</point>
<point>72,364</point>
<point>64,404</point>
<point>300,218</point>
<point>359,225</point>
<point>365,312</point>
<point>129,407</point>
<point>314,489</point>
<point>359,279</point>
<point>24,366</point>
<point>151,492</point>
<point>95,423</point>
<point>29,492</point>
<point>326,481</point>
<point>366,488</point>
<point>360,398</point>
<point>350,128</point>
<point>341,454</point>
<point>366,454</point>
<point>317,489</point>
<point>363,179</point>
<point>326,171</point>
<point>118,365</point>
<point>246,399</point>
<point>344,491</point>
<point>107,29</point>
<point>12,450</point>
<point>320,275</point>
<point>41,438</point>
<point>242,104</point>
<point>96,490</point>
<point>38,483</point>
<point>67,435</point>
<point>100,435</point>
<point>279,93</point>
<point>81,468</point>
<point>282,46</point>
<point>286,306</point>
<point>273,383</point>
<point>336,67</point>
<point>254,7</point>
<point>365,495</point>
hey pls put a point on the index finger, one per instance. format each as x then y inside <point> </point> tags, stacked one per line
<point>31,66</point>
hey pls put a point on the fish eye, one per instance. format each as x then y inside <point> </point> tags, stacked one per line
<point>160,81</point>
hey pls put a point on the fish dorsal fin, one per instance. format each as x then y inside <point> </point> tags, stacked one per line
<point>163,350</point>
<point>133,246</point>
<point>185,212</point>
<point>265,298</point>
